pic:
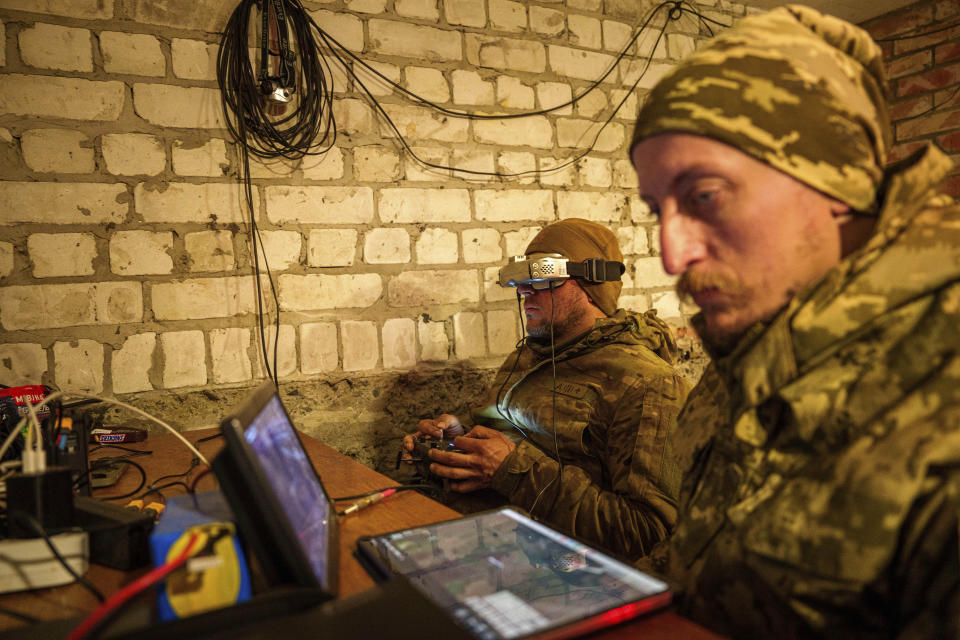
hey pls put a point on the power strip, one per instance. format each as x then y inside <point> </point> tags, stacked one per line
<point>29,564</point>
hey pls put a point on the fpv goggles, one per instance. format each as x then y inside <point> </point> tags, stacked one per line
<point>540,269</point>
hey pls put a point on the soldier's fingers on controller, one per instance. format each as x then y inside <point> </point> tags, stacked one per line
<point>453,473</point>
<point>451,458</point>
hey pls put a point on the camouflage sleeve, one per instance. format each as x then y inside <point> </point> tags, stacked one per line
<point>636,506</point>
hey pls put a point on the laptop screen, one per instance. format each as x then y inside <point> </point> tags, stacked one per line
<point>280,505</point>
<point>289,472</point>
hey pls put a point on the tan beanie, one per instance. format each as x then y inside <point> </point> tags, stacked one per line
<point>577,239</point>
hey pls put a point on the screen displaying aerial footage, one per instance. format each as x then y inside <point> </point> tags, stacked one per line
<point>292,478</point>
<point>502,575</point>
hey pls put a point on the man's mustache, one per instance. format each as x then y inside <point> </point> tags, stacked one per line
<point>693,282</point>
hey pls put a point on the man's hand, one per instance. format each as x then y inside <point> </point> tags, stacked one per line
<point>484,451</point>
<point>443,425</point>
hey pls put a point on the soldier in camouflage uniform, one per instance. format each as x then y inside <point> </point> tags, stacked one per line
<point>821,448</point>
<point>606,412</point>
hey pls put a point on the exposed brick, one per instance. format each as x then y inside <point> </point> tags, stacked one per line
<point>62,254</point>
<point>469,13</point>
<point>424,205</point>
<point>548,22</point>
<point>78,366</point>
<point>377,86</point>
<point>590,104</point>
<point>331,247</point>
<point>577,63</point>
<point>579,133</point>
<point>473,165</point>
<point>57,150</point>
<point>648,272</point>
<point>933,123</point>
<point>345,28</point>
<point>3,44</point>
<point>554,94</point>
<point>633,240</point>
<point>585,5</point>
<point>399,343</point>
<point>947,98</point>
<point>900,22</point>
<point>595,172</point>
<point>534,131</point>
<point>513,94</point>
<point>951,186</point>
<point>131,53</point>
<point>636,303</point>
<point>626,104</point>
<point>434,344</point>
<point>424,9</point>
<point>912,63</point>
<point>22,363</point>
<point>950,142</point>
<point>640,211</point>
<point>67,305</point>
<point>184,359</point>
<point>367,6</point>
<point>946,52</point>
<point>6,259</point>
<point>329,166</point>
<point>616,35</point>
<point>517,163</point>
<point>50,46</point>
<point>130,365</point>
<point>585,31</point>
<point>228,355</point>
<point>502,331</point>
<point>386,246</point>
<point>375,163</point>
<point>481,245</point>
<point>557,172</point>
<point>131,154</point>
<point>198,298</point>
<point>180,14</point>
<point>946,10</point>
<point>601,207</point>
<point>900,151</point>
<point>437,246</point>
<point>321,291</point>
<point>666,304</point>
<point>933,79</point>
<point>360,345</point>
<point>87,9</point>
<point>651,75</point>
<point>414,171</point>
<point>507,15</point>
<point>419,123</point>
<point>286,351</point>
<point>194,60</point>
<point>427,83</point>
<point>468,339</point>
<point>418,288</point>
<point>319,205</point>
<point>514,204</point>
<point>505,53</point>
<point>624,176</point>
<point>182,202</point>
<point>184,107</point>
<point>492,291</point>
<point>910,107</point>
<point>63,203</point>
<point>318,347</point>
<point>72,98</point>
<point>282,248</point>
<point>470,88</point>
<point>414,41</point>
<point>210,250</point>
<point>679,46</point>
<point>200,159</point>
<point>912,44</point>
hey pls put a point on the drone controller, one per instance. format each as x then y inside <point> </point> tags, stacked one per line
<point>420,459</point>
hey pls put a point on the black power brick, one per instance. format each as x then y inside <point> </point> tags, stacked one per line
<point>119,538</point>
<point>45,496</point>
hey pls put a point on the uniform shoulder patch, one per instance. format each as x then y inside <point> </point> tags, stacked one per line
<point>572,389</point>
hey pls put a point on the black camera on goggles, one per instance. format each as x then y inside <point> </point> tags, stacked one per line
<point>539,270</point>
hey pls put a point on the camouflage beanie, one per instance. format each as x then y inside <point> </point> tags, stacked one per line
<point>577,239</point>
<point>799,90</point>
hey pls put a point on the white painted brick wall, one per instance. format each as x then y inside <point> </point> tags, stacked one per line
<point>286,350</point>
<point>361,346</point>
<point>468,338</point>
<point>49,46</point>
<point>210,251</point>
<point>503,331</point>
<point>481,245</point>
<point>194,59</point>
<point>425,9</point>
<point>534,131</point>
<point>203,298</point>
<point>281,248</point>
<point>514,94</point>
<point>78,366</point>
<point>320,291</point>
<point>130,365</point>
<point>434,344</point>
<point>62,254</point>
<point>131,154</point>
<point>6,259</point>
<point>63,203</point>
<point>391,37</point>
<point>597,206</point>
<point>514,205</point>
<point>57,151</point>
<point>424,205</point>
<point>183,203</point>
<point>331,247</point>
<point>141,252</point>
<point>375,163</point>
<point>437,246</point>
<point>319,205</point>
<point>183,107</point>
<point>427,83</point>
<point>469,13</point>
<point>53,306</point>
<point>318,347</point>
<point>205,159</point>
<point>326,167</point>
<point>399,343</point>
<point>228,355</point>
<point>184,359</point>
<point>585,31</point>
<point>52,97</point>
<point>419,288</point>
<point>507,15</point>
<point>492,291</point>
<point>505,54</point>
<point>469,87</point>
<point>22,363</point>
<point>548,22</point>
<point>386,246</point>
<point>131,53</point>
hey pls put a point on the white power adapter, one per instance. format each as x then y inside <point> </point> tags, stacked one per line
<point>29,564</point>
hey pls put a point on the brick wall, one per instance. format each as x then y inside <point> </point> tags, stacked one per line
<point>924,73</point>
<point>125,266</point>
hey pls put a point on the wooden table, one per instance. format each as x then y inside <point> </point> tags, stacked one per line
<point>341,476</point>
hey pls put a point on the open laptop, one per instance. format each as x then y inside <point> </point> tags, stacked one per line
<point>282,510</point>
<point>502,575</point>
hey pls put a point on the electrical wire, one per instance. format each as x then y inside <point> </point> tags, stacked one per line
<point>38,529</point>
<point>553,415</point>
<point>100,618</point>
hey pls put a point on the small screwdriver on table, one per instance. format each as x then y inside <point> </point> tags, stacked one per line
<point>369,500</point>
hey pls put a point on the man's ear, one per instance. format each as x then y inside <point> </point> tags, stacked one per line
<point>841,211</point>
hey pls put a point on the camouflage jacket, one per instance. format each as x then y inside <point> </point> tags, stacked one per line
<point>617,397</point>
<point>821,458</point>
